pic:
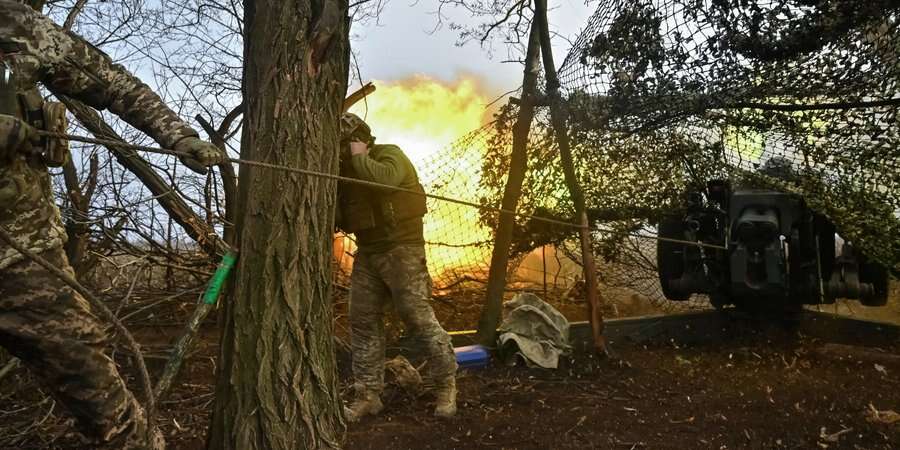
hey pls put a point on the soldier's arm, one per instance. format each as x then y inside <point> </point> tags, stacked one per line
<point>389,168</point>
<point>67,64</point>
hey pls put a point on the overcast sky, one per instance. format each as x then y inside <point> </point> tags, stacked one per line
<point>401,45</point>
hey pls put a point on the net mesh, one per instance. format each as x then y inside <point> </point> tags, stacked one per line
<point>664,95</point>
<point>806,88</point>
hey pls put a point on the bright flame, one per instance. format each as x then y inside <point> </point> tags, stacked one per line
<point>423,117</point>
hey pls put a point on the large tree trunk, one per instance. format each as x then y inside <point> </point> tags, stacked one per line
<point>277,382</point>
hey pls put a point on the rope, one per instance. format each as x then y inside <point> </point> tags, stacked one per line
<point>165,151</point>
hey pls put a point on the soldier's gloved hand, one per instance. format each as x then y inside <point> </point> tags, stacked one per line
<point>16,137</point>
<point>202,154</point>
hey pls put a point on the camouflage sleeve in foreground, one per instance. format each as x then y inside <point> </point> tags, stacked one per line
<point>42,51</point>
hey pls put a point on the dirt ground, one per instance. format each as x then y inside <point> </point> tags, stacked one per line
<point>764,390</point>
<point>759,388</point>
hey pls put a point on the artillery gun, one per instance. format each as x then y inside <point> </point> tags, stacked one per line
<point>765,250</point>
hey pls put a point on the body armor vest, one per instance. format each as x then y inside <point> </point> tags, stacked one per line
<point>363,208</point>
<point>30,107</point>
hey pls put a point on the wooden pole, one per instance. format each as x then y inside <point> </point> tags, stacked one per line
<point>490,314</point>
<point>358,95</point>
<point>558,119</point>
<point>544,268</point>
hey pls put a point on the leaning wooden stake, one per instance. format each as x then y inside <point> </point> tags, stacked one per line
<point>229,184</point>
<point>210,298</point>
<point>490,314</point>
<point>558,119</point>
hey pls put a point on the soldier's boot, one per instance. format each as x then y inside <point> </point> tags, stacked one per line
<point>446,399</point>
<point>366,403</point>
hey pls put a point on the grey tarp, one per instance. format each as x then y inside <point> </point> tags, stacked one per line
<point>534,331</point>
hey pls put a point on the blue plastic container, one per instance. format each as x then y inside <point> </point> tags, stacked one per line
<point>472,357</point>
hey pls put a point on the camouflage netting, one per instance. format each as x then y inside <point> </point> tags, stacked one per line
<point>664,95</point>
<point>740,83</point>
<point>623,194</point>
<point>546,256</point>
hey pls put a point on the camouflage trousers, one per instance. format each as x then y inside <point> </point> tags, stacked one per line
<point>399,275</point>
<point>51,329</point>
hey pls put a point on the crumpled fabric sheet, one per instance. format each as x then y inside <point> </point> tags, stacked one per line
<point>533,331</point>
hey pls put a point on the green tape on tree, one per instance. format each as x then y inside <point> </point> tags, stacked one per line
<point>218,278</point>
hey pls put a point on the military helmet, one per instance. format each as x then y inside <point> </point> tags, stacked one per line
<point>352,126</point>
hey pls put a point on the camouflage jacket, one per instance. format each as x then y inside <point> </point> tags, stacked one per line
<point>39,51</point>
<point>382,219</point>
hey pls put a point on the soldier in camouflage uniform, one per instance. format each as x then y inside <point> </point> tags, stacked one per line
<point>43,322</point>
<point>389,266</point>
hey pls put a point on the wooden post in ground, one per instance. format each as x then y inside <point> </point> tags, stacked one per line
<point>558,119</point>
<point>544,268</point>
<point>490,313</point>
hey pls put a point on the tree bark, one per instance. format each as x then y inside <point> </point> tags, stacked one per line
<point>490,314</point>
<point>277,384</point>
